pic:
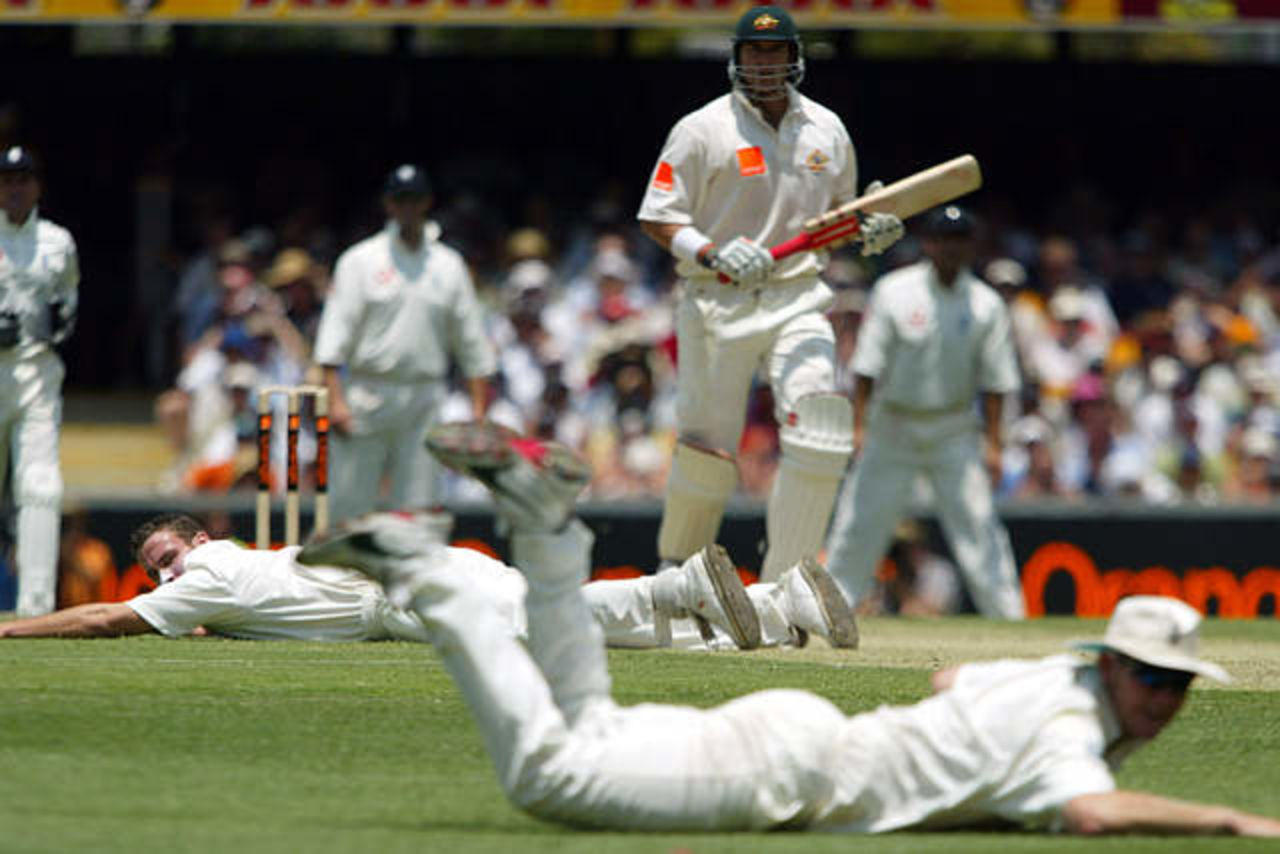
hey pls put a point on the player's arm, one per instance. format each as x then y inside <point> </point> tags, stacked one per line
<point>863,386</point>
<point>1124,811</point>
<point>95,620</point>
<point>992,424</point>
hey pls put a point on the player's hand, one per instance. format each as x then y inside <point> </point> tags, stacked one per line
<point>879,231</point>
<point>873,187</point>
<point>745,262</point>
<point>1245,824</point>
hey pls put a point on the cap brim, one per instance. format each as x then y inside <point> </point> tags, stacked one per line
<point>1167,660</point>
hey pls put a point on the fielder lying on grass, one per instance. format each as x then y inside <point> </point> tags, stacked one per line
<point>219,587</point>
<point>1028,743</point>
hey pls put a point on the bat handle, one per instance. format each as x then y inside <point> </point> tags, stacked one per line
<point>799,243</point>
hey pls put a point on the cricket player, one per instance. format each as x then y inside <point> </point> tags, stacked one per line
<point>1024,743</point>
<point>739,175</point>
<point>39,276</point>
<point>402,304</point>
<point>934,340</point>
<point>209,586</point>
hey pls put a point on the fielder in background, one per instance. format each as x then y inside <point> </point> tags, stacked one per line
<point>401,306</point>
<point>39,275</point>
<point>934,339</point>
<point>1030,744</point>
<point>738,175</point>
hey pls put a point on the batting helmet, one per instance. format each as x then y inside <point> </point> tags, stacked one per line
<point>766,24</point>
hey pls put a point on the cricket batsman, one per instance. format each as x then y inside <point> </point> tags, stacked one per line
<point>740,174</point>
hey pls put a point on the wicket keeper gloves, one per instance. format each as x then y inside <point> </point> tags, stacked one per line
<point>745,262</point>
<point>879,231</point>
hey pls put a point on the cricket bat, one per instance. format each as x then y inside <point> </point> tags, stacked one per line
<point>908,197</point>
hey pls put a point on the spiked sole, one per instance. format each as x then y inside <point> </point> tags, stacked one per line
<point>842,628</point>
<point>744,622</point>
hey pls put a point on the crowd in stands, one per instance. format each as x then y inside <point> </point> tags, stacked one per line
<point>1149,354</point>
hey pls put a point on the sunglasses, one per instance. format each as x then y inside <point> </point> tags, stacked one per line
<point>1160,678</point>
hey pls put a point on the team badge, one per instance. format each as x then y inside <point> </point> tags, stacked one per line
<point>817,161</point>
<point>664,179</point>
<point>751,161</point>
<point>765,22</point>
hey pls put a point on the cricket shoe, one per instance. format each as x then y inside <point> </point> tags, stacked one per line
<point>813,604</point>
<point>389,548</point>
<point>534,483</point>
<point>707,587</point>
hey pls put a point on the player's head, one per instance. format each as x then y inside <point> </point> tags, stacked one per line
<point>767,55</point>
<point>949,238</point>
<point>19,183</point>
<point>1149,655</point>
<point>160,544</point>
<point>406,194</point>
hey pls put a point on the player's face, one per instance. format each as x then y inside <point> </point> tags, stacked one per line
<point>19,192</point>
<point>950,253</point>
<point>763,67</point>
<point>409,212</point>
<point>164,554</point>
<point>1145,698</point>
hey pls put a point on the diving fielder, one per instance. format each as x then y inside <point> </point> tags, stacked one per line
<point>39,273</point>
<point>740,174</point>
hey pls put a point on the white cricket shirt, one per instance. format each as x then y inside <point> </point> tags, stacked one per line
<point>931,348</point>
<point>399,314</point>
<point>264,595</point>
<point>1011,740</point>
<point>38,266</point>
<point>726,171</point>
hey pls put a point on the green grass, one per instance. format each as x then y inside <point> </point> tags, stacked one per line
<point>146,744</point>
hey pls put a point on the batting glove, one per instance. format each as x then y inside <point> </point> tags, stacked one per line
<point>745,262</point>
<point>879,231</point>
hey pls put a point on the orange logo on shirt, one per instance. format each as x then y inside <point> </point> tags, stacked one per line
<point>751,161</point>
<point>817,161</point>
<point>664,178</point>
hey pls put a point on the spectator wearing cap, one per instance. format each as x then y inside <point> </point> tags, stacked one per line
<point>1030,468</point>
<point>301,283</point>
<point>1252,473</point>
<point>1067,349</point>
<point>401,312</point>
<point>39,281</point>
<point>934,343</point>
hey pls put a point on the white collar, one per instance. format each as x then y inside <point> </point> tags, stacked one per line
<point>32,219</point>
<point>430,234</point>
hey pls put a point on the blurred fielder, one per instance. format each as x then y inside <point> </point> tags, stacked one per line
<point>402,304</point>
<point>1024,743</point>
<point>934,340</point>
<point>39,275</point>
<point>738,175</point>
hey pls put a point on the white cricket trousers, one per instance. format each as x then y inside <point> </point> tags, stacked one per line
<point>564,751</point>
<point>391,420</point>
<point>726,336</point>
<point>30,418</point>
<point>944,448</point>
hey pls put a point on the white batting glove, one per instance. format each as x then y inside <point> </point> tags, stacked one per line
<point>879,231</point>
<point>873,187</point>
<point>745,262</point>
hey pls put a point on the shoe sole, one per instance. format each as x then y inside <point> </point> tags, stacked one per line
<point>481,450</point>
<point>744,622</point>
<point>842,628</point>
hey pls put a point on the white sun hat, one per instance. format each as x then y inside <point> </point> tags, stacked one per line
<point>1157,630</point>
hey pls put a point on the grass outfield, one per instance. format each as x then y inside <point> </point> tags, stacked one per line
<point>145,744</point>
